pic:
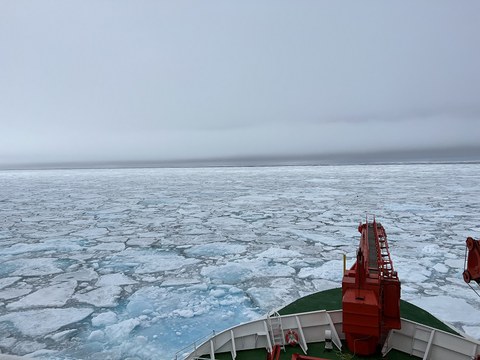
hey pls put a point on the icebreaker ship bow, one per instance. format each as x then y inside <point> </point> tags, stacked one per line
<point>366,314</point>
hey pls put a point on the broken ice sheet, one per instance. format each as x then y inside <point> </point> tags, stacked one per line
<point>105,296</point>
<point>34,267</point>
<point>44,321</point>
<point>51,296</point>
<point>8,281</point>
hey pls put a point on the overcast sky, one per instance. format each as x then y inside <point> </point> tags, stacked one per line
<point>166,80</point>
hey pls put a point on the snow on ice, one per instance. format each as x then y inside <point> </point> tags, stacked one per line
<point>135,263</point>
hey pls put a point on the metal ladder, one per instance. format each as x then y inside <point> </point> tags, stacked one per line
<point>276,329</point>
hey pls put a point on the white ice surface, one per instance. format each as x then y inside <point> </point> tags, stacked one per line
<point>122,329</point>
<point>106,318</point>
<point>8,281</point>
<point>115,279</point>
<point>215,249</point>
<point>449,308</point>
<point>105,296</point>
<point>44,321</point>
<point>473,331</point>
<point>279,254</point>
<point>13,293</point>
<point>34,267</point>
<point>86,274</point>
<point>113,264</point>
<point>331,270</point>
<point>51,296</point>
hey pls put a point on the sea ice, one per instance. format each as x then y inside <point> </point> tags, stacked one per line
<point>26,347</point>
<point>215,249</point>
<point>45,321</point>
<point>86,274</point>
<point>229,274</point>
<point>7,342</point>
<point>473,331</point>
<point>108,246</point>
<point>119,331</point>
<point>62,335</point>
<point>115,279</point>
<point>331,270</point>
<point>321,284</point>
<point>34,267</point>
<point>13,293</point>
<point>51,296</point>
<point>318,237</point>
<point>279,254</point>
<point>179,281</point>
<point>455,263</point>
<point>105,296</point>
<point>416,272</point>
<point>272,297</point>
<point>432,250</point>
<point>96,335</point>
<point>176,253</point>
<point>450,309</point>
<point>91,233</point>
<point>441,268</point>
<point>105,318</point>
<point>142,242</point>
<point>63,245</point>
<point>149,261</point>
<point>5,282</point>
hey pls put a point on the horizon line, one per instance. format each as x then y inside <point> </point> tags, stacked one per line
<point>469,154</point>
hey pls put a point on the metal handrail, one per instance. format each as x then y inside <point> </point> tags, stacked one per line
<point>180,354</point>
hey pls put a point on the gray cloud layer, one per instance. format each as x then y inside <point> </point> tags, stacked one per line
<point>146,80</point>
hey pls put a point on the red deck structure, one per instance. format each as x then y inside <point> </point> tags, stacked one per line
<point>472,266</point>
<point>371,293</point>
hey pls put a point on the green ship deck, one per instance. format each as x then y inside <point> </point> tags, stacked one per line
<point>332,300</point>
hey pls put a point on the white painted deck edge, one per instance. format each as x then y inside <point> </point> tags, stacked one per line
<point>436,344</point>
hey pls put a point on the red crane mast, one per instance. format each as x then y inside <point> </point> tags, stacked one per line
<point>370,293</point>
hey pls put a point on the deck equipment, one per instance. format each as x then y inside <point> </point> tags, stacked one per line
<point>472,261</point>
<point>370,293</point>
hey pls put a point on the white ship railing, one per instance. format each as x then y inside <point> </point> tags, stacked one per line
<point>310,327</point>
<point>428,343</point>
<point>415,339</point>
<point>183,353</point>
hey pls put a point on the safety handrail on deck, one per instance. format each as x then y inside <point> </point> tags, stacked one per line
<point>182,353</point>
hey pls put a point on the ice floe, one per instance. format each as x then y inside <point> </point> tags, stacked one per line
<point>120,330</point>
<point>449,308</point>
<point>13,293</point>
<point>5,282</point>
<point>45,321</point>
<point>105,296</point>
<point>331,270</point>
<point>115,279</point>
<point>215,249</point>
<point>105,318</point>
<point>34,266</point>
<point>86,274</point>
<point>51,296</point>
